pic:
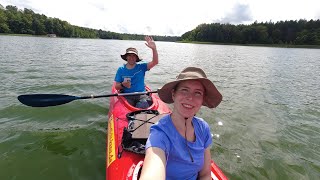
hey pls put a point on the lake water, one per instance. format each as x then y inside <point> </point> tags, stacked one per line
<point>267,126</point>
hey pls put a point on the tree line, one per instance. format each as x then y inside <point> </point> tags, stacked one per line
<point>15,21</point>
<point>301,32</point>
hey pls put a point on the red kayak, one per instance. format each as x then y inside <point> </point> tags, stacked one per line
<point>128,129</point>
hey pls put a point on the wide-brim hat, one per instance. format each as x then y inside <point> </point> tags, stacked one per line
<point>212,97</point>
<point>130,50</point>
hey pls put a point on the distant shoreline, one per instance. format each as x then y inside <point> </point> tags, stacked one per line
<point>258,45</point>
<point>195,42</point>
<point>46,36</point>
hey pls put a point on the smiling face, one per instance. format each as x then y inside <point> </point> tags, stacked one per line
<point>131,59</point>
<point>188,98</point>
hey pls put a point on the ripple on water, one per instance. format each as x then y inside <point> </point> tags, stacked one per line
<point>79,113</point>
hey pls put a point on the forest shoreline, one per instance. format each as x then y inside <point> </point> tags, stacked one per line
<point>258,45</point>
<point>191,42</point>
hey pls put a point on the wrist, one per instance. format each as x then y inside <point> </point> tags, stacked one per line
<point>122,85</point>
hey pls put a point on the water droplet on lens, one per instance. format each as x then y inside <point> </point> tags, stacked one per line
<point>238,158</point>
<point>215,136</point>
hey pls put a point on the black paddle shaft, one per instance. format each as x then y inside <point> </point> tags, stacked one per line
<point>45,100</point>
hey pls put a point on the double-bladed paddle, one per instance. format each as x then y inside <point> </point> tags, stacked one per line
<point>45,100</point>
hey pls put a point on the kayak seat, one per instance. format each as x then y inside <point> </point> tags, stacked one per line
<point>142,102</point>
<point>136,134</point>
<point>139,101</point>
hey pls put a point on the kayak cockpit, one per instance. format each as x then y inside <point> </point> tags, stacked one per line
<point>136,133</point>
<point>150,101</point>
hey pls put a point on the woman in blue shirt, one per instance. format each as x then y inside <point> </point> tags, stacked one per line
<point>178,146</point>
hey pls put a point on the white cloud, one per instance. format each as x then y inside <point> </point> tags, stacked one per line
<point>239,14</point>
<point>167,17</point>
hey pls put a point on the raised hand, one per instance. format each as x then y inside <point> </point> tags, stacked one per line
<point>150,43</point>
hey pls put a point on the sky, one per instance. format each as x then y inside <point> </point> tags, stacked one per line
<point>168,17</point>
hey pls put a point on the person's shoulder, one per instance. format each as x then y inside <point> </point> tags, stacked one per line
<point>198,119</point>
<point>165,119</point>
<point>202,128</point>
<point>201,121</point>
<point>163,123</point>
<point>123,66</point>
<point>142,64</point>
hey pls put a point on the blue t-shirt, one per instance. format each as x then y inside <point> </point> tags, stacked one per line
<point>136,76</point>
<point>179,165</point>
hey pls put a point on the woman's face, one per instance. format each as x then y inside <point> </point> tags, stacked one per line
<point>188,98</point>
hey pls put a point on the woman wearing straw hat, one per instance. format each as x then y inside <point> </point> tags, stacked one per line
<point>130,77</point>
<point>178,146</point>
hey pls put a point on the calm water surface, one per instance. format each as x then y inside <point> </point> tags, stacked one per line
<point>267,126</point>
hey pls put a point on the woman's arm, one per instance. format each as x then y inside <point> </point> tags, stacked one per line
<point>154,165</point>
<point>205,172</point>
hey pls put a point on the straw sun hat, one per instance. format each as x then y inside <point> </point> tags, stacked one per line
<point>212,96</point>
<point>130,50</point>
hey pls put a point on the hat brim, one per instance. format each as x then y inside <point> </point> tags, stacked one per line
<point>211,99</point>
<point>124,56</point>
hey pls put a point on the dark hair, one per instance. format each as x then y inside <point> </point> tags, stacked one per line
<point>176,87</point>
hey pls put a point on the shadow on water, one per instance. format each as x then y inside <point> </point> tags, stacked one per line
<point>54,154</point>
<point>56,146</point>
<point>62,142</point>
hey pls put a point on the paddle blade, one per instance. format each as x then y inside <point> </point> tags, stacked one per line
<point>45,100</point>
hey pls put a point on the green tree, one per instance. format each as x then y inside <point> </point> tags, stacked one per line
<point>38,27</point>
<point>4,28</point>
<point>49,26</point>
<point>14,19</point>
<point>27,20</point>
<point>262,34</point>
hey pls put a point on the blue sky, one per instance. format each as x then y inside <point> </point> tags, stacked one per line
<point>168,17</point>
